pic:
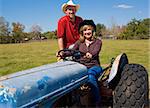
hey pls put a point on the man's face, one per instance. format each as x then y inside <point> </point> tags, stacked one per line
<point>70,11</point>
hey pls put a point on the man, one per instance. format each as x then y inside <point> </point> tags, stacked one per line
<point>67,30</point>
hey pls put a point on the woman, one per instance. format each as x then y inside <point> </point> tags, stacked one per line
<point>91,47</point>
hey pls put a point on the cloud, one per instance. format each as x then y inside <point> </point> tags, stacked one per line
<point>123,6</point>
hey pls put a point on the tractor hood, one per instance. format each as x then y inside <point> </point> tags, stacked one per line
<point>28,88</point>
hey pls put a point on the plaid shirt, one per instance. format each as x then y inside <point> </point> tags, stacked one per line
<point>94,48</point>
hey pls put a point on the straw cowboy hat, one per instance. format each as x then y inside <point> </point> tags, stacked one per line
<point>69,3</point>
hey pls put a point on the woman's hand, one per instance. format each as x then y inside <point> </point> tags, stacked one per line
<point>88,55</point>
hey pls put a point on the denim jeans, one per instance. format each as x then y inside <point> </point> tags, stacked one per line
<point>93,74</point>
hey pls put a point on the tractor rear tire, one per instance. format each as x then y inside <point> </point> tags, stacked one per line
<point>132,90</point>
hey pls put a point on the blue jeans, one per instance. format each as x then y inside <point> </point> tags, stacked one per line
<point>94,73</point>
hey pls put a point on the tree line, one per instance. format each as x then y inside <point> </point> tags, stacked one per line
<point>14,33</point>
<point>135,29</point>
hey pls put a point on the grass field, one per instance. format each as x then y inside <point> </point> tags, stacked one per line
<point>17,57</point>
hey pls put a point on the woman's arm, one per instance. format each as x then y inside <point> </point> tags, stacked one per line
<point>97,48</point>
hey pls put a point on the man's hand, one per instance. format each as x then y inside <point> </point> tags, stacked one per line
<point>59,56</point>
<point>59,59</point>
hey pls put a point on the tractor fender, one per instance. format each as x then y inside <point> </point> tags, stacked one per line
<point>117,67</point>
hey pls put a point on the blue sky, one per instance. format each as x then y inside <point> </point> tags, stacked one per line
<point>46,13</point>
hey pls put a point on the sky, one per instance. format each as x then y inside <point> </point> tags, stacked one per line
<point>46,13</point>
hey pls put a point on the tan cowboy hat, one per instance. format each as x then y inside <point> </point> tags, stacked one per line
<point>69,3</point>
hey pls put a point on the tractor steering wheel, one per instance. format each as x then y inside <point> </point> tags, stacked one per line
<point>74,54</point>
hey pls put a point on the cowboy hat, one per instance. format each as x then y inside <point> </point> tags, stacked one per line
<point>69,3</point>
<point>87,22</point>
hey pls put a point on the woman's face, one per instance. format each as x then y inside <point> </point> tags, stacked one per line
<point>87,32</point>
<point>70,11</point>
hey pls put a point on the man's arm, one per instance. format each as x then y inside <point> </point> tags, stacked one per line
<point>60,43</point>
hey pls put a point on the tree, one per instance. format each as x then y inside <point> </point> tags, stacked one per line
<point>50,35</point>
<point>100,29</point>
<point>36,32</point>
<point>136,29</point>
<point>4,27</point>
<point>114,27</point>
<point>143,31</point>
<point>17,32</point>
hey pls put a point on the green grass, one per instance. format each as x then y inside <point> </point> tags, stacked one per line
<point>137,51</point>
<point>17,57</point>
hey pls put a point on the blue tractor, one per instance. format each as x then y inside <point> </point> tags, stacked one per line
<point>64,84</point>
